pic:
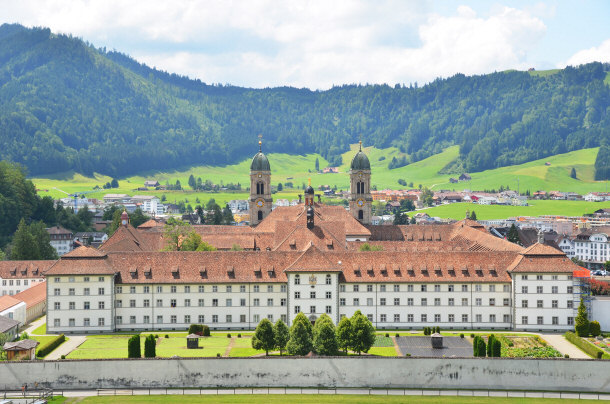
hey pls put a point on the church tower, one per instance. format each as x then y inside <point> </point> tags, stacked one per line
<point>260,187</point>
<point>361,200</point>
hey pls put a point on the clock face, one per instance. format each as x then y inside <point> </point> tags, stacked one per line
<point>360,175</point>
<point>260,175</point>
<point>260,203</point>
<point>360,202</point>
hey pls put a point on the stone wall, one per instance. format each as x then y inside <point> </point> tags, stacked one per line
<point>447,373</point>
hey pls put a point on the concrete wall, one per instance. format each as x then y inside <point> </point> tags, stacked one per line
<point>508,374</point>
<point>600,311</point>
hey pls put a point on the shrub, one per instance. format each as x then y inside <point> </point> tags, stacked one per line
<point>599,354</point>
<point>156,335</point>
<point>438,329</point>
<point>472,335</point>
<point>585,346</point>
<point>490,344</point>
<point>387,335</point>
<point>594,328</point>
<point>566,356</point>
<point>228,335</point>
<point>461,335</point>
<point>397,334</point>
<point>206,331</point>
<point>45,349</point>
<point>150,347</point>
<point>63,357</point>
<point>496,349</point>
<point>196,329</point>
<point>218,354</point>
<point>133,347</point>
<point>166,335</point>
<point>238,335</point>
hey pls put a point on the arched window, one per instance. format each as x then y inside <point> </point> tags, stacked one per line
<point>297,279</point>
<point>362,187</point>
<point>260,215</point>
<point>360,214</point>
<point>358,188</point>
<point>260,188</point>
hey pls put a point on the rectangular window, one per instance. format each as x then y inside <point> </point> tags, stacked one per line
<point>100,279</point>
<point>119,289</point>
<point>100,291</point>
<point>492,288</point>
<point>369,288</point>
<point>297,309</point>
<point>523,289</point>
<point>242,289</point>
<point>132,303</point>
<point>57,280</point>
<point>159,319</point>
<point>86,279</point>
<point>215,302</point>
<point>297,295</point>
<point>397,318</point>
<point>86,292</point>
<point>450,288</point>
<point>370,317</point>
<point>423,288</point>
<point>341,288</point>
<point>101,321</point>
<point>86,322</point>
<point>256,302</point>
<point>506,302</point>
<point>159,289</point>
<point>283,302</point>
<point>356,301</point>
<point>269,302</point>
<point>71,305</point>
<point>56,322</point>
<point>437,318</point>
<point>132,289</point>
<point>396,301</point>
<point>437,288</point>
<point>329,280</point>
<point>369,301</point>
<point>201,288</point>
<point>256,318</point>
<point>201,319</point>
<point>538,277</point>
<point>554,289</point>
<point>540,320</point>
<point>478,318</point>
<point>270,288</point>
<point>132,319</point>
<point>554,277</point>
<point>71,322</point>
<point>187,289</point>
<point>492,302</point>
<point>173,303</point>
<point>56,292</point>
<point>342,301</point>
<point>382,288</point>
<point>173,319</point>
<point>382,318</point>
<point>464,288</point>
<point>242,318</point>
<point>71,292</point>
<point>409,288</point>
<point>159,303</point>
<point>242,302</point>
<point>570,289</point>
<point>451,318</point>
<point>172,289</point>
<point>329,295</point>
<point>424,318</point>
<point>451,301</point>
<point>409,318</point>
<point>146,302</point>
<point>410,301</point>
<point>329,310</point>
<point>382,301</point>
<point>464,318</point>
<point>555,304</point>
<point>478,301</point>
<point>256,289</point>
<point>312,295</point>
<point>215,289</point>
<point>146,320</point>
<point>100,305</point>
<point>492,318</point>
<point>570,320</point>
<point>524,277</point>
<point>524,303</point>
<point>555,320</point>
<point>506,288</point>
<point>570,304</point>
<point>297,280</point>
<point>146,289</point>
<point>464,301</point>
<point>71,279</point>
<point>229,303</point>
<point>539,289</point>
<point>437,301</point>
<point>478,288</point>
<point>396,288</point>
<point>312,309</point>
<point>424,302</point>
<point>229,318</point>
<point>86,306</point>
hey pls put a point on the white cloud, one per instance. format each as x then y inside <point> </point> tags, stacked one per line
<point>314,43</point>
<point>599,53</point>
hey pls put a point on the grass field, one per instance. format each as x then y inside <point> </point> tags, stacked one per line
<point>42,330</point>
<point>535,175</point>
<point>306,399</point>
<point>536,208</point>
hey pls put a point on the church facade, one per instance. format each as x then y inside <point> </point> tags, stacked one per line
<point>307,258</point>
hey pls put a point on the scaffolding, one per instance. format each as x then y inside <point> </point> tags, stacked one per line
<point>582,289</point>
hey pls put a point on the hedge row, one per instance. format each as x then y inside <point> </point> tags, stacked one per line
<point>46,349</point>
<point>585,345</point>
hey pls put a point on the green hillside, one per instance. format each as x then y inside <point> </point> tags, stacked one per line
<point>67,106</point>
<point>535,175</point>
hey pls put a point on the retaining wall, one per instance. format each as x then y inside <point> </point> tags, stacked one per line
<point>446,373</point>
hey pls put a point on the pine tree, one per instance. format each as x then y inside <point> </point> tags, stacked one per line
<point>513,235</point>
<point>324,336</point>
<point>150,347</point>
<point>133,347</point>
<point>581,325</point>
<point>192,182</point>
<point>24,245</point>
<point>490,342</point>
<point>317,164</point>
<point>473,215</point>
<point>301,336</point>
<point>281,333</point>
<point>114,183</point>
<point>344,334</point>
<point>573,173</point>
<point>263,336</point>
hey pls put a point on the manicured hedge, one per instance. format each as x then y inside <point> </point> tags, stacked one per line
<point>46,349</point>
<point>585,345</point>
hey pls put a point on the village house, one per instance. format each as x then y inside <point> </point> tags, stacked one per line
<point>62,240</point>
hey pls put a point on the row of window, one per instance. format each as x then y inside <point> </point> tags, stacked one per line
<point>215,318</point>
<point>86,322</point>
<point>72,291</point>
<point>86,305</point>
<point>540,320</point>
<point>200,302</point>
<point>542,277</point>
<point>201,289</point>
<point>424,288</point>
<point>540,289</point>
<point>328,281</point>
<point>554,304</point>
<point>72,279</point>
<point>423,302</point>
<point>17,282</point>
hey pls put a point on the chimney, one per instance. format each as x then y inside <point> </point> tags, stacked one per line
<point>540,236</point>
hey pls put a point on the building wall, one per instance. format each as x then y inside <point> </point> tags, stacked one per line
<point>325,287</point>
<point>429,373</point>
<point>17,313</point>
<point>35,311</point>
<point>13,286</point>
<point>600,311</point>
<point>73,300</point>
<point>551,301</point>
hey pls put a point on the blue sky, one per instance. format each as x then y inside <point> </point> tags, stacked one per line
<point>318,44</point>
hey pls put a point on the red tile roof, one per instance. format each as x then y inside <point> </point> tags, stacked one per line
<point>23,269</point>
<point>313,260</point>
<point>84,252</point>
<point>6,302</point>
<point>34,295</point>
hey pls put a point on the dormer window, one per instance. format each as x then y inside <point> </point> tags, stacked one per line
<point>203,273</point>
<point>297,279</point>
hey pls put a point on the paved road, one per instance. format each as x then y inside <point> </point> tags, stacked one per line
<point>64,349</point>
<point>560,343</point>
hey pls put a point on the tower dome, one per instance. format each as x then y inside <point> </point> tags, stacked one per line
<point>360,161</point>
<point>260,161</point>
<point>309,190</point>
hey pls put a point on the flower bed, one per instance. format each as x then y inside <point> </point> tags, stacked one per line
<point>605,344</point>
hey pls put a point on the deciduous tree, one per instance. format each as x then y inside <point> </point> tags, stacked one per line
<point>263,336</point>
<point>301,336</point>
<point>281,333</point>
<point>324,338</point>
<point>344,334</point>
<point>363,333</point>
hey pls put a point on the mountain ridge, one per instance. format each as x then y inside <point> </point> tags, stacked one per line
<point>67,105</point>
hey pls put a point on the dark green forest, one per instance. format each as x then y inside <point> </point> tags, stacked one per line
<point>65,104</point>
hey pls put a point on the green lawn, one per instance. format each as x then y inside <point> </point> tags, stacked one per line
<point>239,399</point>
<point>536,208</point>
<point>535,175</point>
<point>383,351</point>
<point>42,330</point>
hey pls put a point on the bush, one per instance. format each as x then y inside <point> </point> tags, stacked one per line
<point>594,328</point>
<point>387,335</point>
<point>166,335</point>
<point>397,334</point>
<point>218,354</point>
<point>63,357</point>
<point>133,347</point>
<point>156,335</point>
<point>496,348</point>
<point>206,331</point>
<point>566,356</point>
<point>150,347</point>
<point>585,346</point>
<point>228,335</point>
<point>238,335</point>
<point>471,335</point>
<point>45,349</point>
<point>599,354</point>
<point>196,329</point>
<point>461,335</point>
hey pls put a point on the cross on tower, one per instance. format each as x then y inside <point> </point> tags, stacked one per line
<point>260,142</point>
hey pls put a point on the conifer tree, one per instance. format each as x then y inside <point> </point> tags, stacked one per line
<point>150,347</point>
<point>581,325</point>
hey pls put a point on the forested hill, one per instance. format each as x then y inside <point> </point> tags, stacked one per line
<point>67,105</point>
